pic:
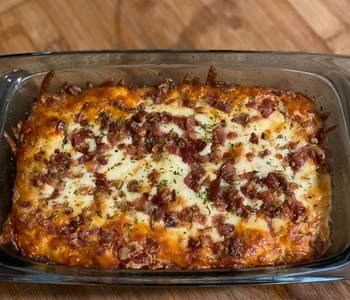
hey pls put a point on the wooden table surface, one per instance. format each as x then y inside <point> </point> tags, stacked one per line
<point>292,25</point>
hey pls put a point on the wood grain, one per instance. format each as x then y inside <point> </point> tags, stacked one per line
<point>291,25</point>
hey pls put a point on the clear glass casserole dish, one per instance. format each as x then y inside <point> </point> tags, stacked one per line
<point>324,78</point>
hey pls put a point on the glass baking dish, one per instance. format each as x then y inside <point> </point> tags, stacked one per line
<point>324,78</point>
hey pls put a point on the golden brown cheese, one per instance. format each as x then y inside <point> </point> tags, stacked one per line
<point>189,176</point>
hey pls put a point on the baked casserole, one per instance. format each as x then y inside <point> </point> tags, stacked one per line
<point>187,176</point>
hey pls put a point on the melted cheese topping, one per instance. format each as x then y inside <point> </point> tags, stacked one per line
<point>77,183</point>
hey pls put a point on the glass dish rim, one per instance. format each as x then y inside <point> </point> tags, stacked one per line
<point>169,50</point>
<point>342,258</point>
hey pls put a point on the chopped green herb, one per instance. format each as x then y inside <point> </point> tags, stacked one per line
<point>163,183</point>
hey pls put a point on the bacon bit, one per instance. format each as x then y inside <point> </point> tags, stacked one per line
<point>170,101</point>
<point>253,138</point>
<point>250,156</point>
<point>218,135</point>
<point>248,175</point>
<point>141,259</point>
<point>320,245</point>
<point>189,103</point>
<point>223,105</point>
<point>78,139</point>
<point>170,147</point>
<point>120,104</point>
<point>151,246</point>
<point>190,181</point>
<point>215,154</point>
<point>241,119</point>
<point>270,226</point>
<point>264,153</point>
<point>249,190</point>
<point>53,195</point>
<point>193,244</point>
<point>227,172</point>
<point>104,119</point>
<point>38,181</point>
<point>190,128</point>
<point>211,78</point>
<point>17,129</point>
<point>170,219</point>
<point>189,149</point>
<point>116,132</point>
<point>89,85</point>
<point>233,201</point>
<point>163,196</point>
<point>272,180</point>
<point>232,135</point>
<point>206,181</point>
<point>108,83</point>
<point>11,143</point>
<point>102,182</point>
<point>235,247</point>
<point>324,116</point>
<point>215,190</point>
<point>80,117</point>
<point>306,124</point>
<point>71,89</point>
<point>253,105</point>
<point>179,121</point>
<point>276,92</point>
<point>173,195</point>
<point>267,107</point>
<point>269,207</point>
<point>85,158</point>
<point>44,88</point>
<point>298,158</point>
<point>133,186</point>
<point>102,160</point>
<point>25,203</point>
<point>60,126</point>
<point>193,177</point>
<point>106,236</point>
<point>153,177</point>
<point>162,91</point>
<point>157,132</point>
<point>59,161</point>
<point>225,229</point>
<point>191,214</point>
<point>329,129</point>
<point>219,248</point>
<point>294,209</point>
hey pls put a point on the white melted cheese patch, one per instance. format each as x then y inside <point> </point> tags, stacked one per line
<point>166,128</point>
<point>172,109</point>
<point>173,170</point>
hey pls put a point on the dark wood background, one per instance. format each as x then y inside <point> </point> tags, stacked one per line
<point>292,25</point>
